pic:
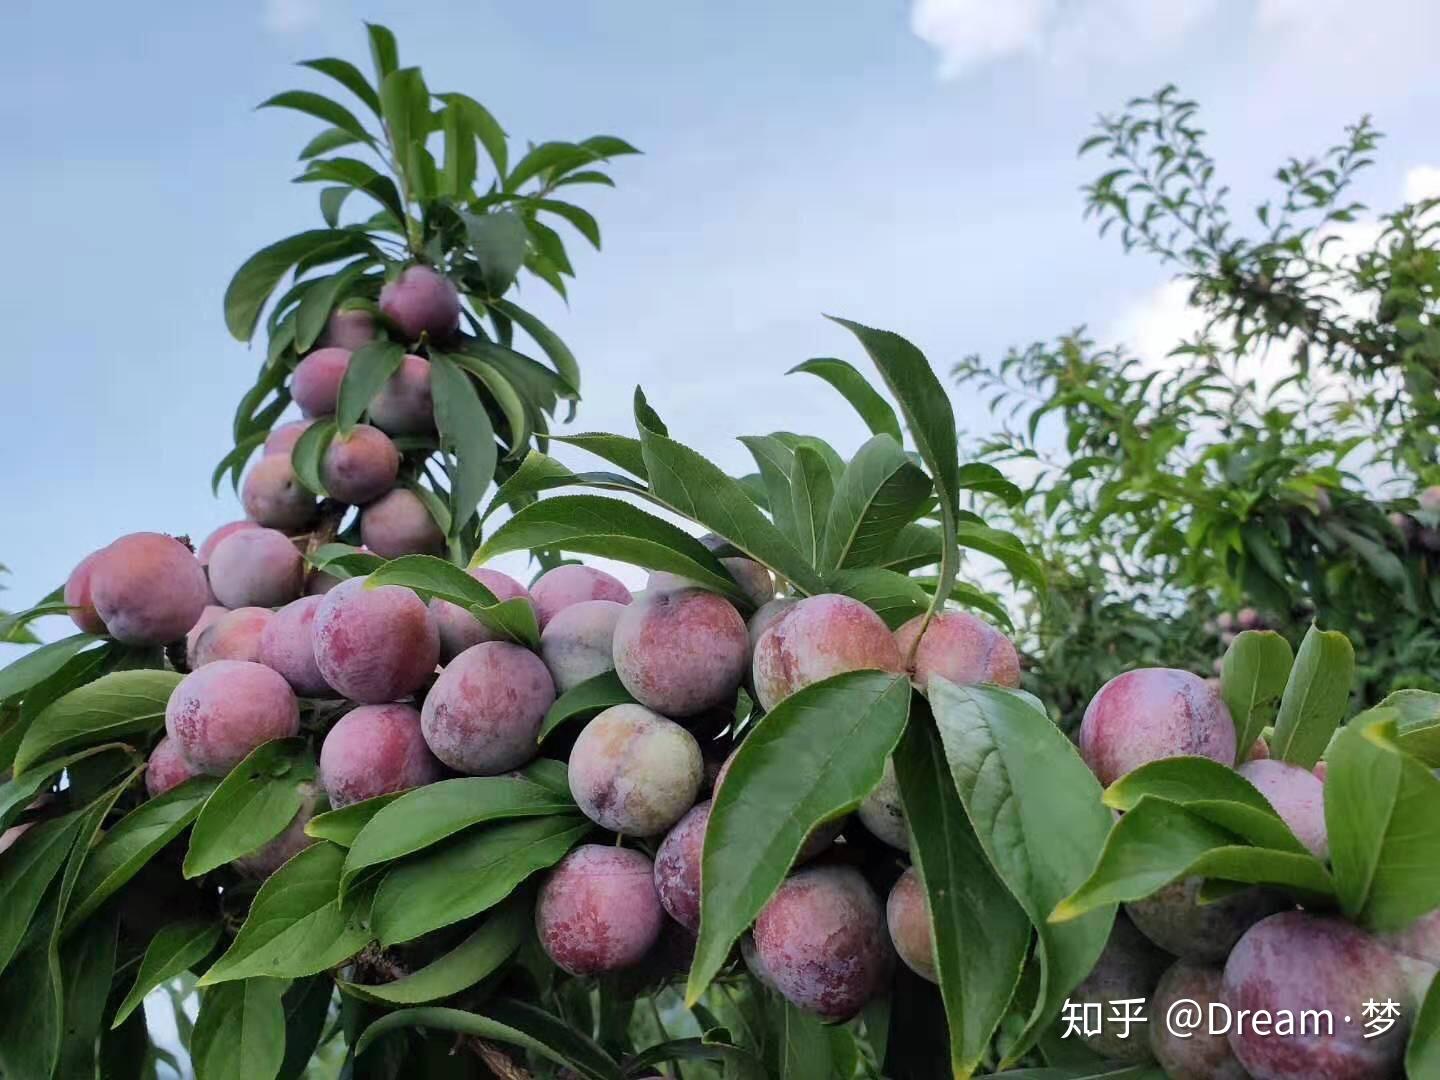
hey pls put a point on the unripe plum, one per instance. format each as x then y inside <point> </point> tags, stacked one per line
<point>883,813</point>
<point>293,840</point>
<point>282,439</point>
<point>960,648</point>
<point>578,643</point>
<point>350,329</point>
<point>206,549</point>
<point>404,405</point>
<point>822,940</point>
<point>677,867</point>
<point>572,583</point>
<point>1129,967</point>
<point>681,652</point>
<point>1173,918</point>
<point>1296,961</point>
<point>374,645</point>
<point>634,772</point>
<point>148,589</point>
<point>166,768</point>
<point>288,646</point>
<point>375,750</point>
<point>274,497</point>
<point>1198,1055</point>
<point>598,910</point>
<point>315,385</point>
<point>482,716</point>
<point>77,595</point>
<point>1153,713</point>
<point>217,715</point>
<point>256,568</point>
<point>233,636</point>
<point>398,524</point>
<point>819,637</point>
<point>421,301</point>
<point>360,467</point>
<point>907,913</point>
<point>458,628</point>
<point>1297,795</point>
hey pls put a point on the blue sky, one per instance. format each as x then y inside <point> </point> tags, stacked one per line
<point>910,165</point>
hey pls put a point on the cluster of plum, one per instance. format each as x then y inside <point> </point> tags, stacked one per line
<point>431,691</point>
<point>361,468</point>
<point>1254,949</point>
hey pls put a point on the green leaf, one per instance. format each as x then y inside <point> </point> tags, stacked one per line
<point>365,376</point>
<point>384,53</point>
<point>511,1022</point>
<point>175,949</point>
<point>1158,842</point>
<point>587,699</point>
<point>320,107</point>
<point>537,472</point>
<point>434,577</point>
<point>1252,680</point>
<point>583,221</point>
<point>19,791</point>
<point>812,491</point>
<point>468,875</point>
<point>343,825</point>
<point>348,76</point>
<point>30,865</point>
<point>1004,547</point>
<point>37,665</point>
<point>931,420</point>
<point>981,935</point>
<point>297,923</point>
<point>879,493</point>
<point>475,958</point>
<point>113,706</point>
<point>499,242</point>
<point>252,805</point>
<point>405,105</point>
<point>358,176</point>
<point>1417,715</point>
<point>802,1044</point>
<point>547,156</point>
<point>1422,1055</point>
<point>879,417</point>
<point>1382,814</point>
<point>134,840</point>
<point>1018,775</point>
<point>558,352</point>
<point>327,140</point>
<point>308,456</point>
<point>240,1032</point>
<point>87,963</point>
<point>315,307</point>
<point>1317,696</point>
<point>776,462</point>
<point>894,597</point>
<point>811,759</point>
<point>306,1005</point>
<point>592,525</point>
<point>427,815</point>
<point>484,126</point>
<point>344,561</point>
<point>466,437</point>
<point>707,1048</point>
<point>257,277</point>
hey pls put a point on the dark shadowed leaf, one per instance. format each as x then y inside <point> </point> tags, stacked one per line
<point>466,437</point>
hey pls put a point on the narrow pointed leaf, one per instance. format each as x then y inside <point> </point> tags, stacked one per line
<point>174,950</point>
<point>1316,698</point>
<point>879,417</point>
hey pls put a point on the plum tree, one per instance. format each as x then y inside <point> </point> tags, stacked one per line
<point>235,635</point>
<point>907,914</point>
<point>288,646</point>
<point>1298,961</point>
<point>1199,1054</point>
<point>960,648</point>
<point>274,497</point>
<point>256,568</point>
<point>680,652</point>
<point>316,384</point>
<point>375,750</point>
<point>819,637</point>
<point>458,628</point>
<point>146,589</point>
<point>598,910</point>
<point>166,767</point>
<point>483,714</point>
<point>1129,967</point>
<point>374,645</point>
<point>677,867</point>
<point>571,583</point>
<point>823,942</point>
<point>1297,795</point>
<point>421,301</point>
<point>404,405</point>
<point>398,523</point>
<point>579,642</point>
<point>360,467</point>
<point>217,715</point>
<point>1153,713</point>
<point>1174,919</point>
<point>634,772</point>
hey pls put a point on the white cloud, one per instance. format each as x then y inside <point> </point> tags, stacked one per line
<point>291,16</point>
<point>1422,182</point>
<point>970,33</point>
